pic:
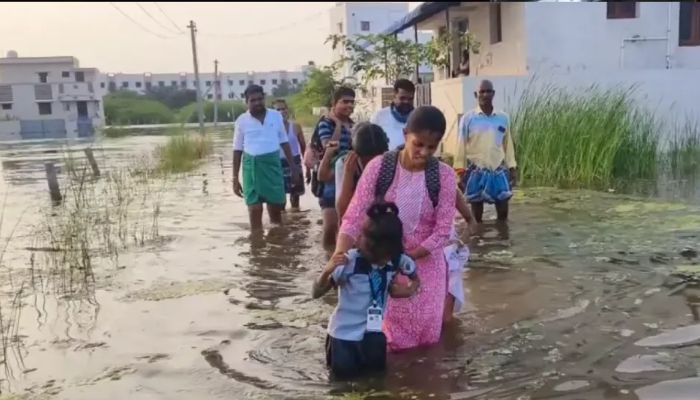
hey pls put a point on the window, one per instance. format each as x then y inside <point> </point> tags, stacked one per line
<point>7,106</point>
<point>65,74</point>
<point>208,83</point>
<point>231,95</point>
<point>66,106</point>
<point>340,27</point>
<point>230,82</point>
<point>102,85</point>
<point>250,82</point>
<point>622,9</point>
<point>243,95</point>
<point>125,84</point>
<point>161,84</point>
<point>137,84</point>
<point>241,82</point>
<point>496,29</point>
<point>173,83</point>
<point>183,84</point>
<point>44,108</point>
<point>689,24</point>
<point>262,81</point>
<point>148,85</point>
<point>295,81</point>
<point>364,26</point>
<point>80,76</point>
<point>274,81</point>
<point>210,96</point>
<point>43,77</point>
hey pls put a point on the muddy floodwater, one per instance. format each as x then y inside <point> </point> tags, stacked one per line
<point>580,297</point>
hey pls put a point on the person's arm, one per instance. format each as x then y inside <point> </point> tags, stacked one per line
<point>330,276</point>
<point>287,149</point>
<point>356,213</point>
<point>444,218</point>
<point>462,138</point>
<point>509,149</point>
<point>464,209</point>
<point>237,156</point>
<point>347,185</point>
<point>325,168</point>
<point>300,137</point>
<point>328,131</point>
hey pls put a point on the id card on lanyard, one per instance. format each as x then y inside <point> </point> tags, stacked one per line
<point>375,312</point>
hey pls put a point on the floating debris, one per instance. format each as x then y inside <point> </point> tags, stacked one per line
<point>644,363</point>
<point>681,389</point>
<point>684,336</point>
<point>571,386</point>
<point>580,307</point>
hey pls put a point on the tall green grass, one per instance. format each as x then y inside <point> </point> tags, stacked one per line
<point>183,152</point>
<point>683,155</point>
<point>589,138</point>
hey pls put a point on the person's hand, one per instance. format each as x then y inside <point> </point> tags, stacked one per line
<point>336,260</point>
<point>297,180</point>
<point>350,164</point>
<point>332,147</point>
<point>237,188</point>
<point>513,174</point>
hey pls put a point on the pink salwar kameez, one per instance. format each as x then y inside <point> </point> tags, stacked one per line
<point>416,321</point>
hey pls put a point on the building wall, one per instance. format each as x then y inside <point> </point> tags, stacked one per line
<point>578,36</point>
<point>26,70</point>
<point>233,84</point>
<point>507,57</point>
<point>671,95</point>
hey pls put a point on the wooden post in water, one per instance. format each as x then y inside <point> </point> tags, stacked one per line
<point>93,164</point>
<point>52,178</point>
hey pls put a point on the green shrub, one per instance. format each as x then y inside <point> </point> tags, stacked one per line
<point>127,109</point>
<point>183,152</point>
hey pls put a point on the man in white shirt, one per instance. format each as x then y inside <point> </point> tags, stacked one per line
<point>393,118</point>
<point>259,134</point>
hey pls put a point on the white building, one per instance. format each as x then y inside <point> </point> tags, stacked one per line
<point>233,84</point>
<point>361,18</point>
<point>655,46</point>
<point>48,97</point>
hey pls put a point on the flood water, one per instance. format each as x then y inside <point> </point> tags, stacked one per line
<point>564,303</point>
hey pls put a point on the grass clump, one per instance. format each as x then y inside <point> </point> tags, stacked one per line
<point>183,152</point>
<point>683,155</point>
<point>585,139</point>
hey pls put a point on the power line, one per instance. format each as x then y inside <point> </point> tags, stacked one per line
<point>154,19</point>
<point>168,18</point>
<point>137,23</point>
<point>274,30</point>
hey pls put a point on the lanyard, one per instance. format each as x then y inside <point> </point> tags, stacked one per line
<point>377,293</point>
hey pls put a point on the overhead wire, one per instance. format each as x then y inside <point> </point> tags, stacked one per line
<point>127,16</point>
<point>155,20</point>
<point>168,17</point>
<point>269,31</point>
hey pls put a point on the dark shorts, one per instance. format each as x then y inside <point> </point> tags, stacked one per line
<point>347,359</point>
<point>328,198</point>
<point>287,172</point>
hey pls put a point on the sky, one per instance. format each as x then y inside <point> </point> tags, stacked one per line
<point>242,36</point>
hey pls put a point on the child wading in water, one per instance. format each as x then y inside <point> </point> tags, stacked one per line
<point>355,343</point>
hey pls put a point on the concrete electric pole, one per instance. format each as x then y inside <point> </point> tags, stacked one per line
<point>200,109</point>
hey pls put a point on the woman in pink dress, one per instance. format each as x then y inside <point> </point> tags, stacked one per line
<point>425,192</point>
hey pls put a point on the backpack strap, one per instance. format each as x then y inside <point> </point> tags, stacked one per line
<point>390,159</point>
<point>387,171</point>
<point>432,180</point>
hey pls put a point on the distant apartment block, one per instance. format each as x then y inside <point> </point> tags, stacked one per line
<point>233,84</point>
<point>48,98</point>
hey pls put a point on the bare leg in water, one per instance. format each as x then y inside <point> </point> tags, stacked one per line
<point>501,211</point>
<point>275,213</point>
<point>255,216</point>
<point>330,228</point>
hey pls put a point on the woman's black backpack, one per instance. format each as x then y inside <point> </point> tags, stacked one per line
<point>390,161</point>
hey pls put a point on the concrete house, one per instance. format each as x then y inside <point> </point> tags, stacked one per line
<point>653,46</point>
<point>48,98</point>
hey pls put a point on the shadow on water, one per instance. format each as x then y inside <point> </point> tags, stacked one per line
<point>557,300</point>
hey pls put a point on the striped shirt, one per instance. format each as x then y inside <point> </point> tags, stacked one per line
<point>326,127</point>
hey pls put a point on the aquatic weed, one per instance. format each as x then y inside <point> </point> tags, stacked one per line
<point>183,152</point>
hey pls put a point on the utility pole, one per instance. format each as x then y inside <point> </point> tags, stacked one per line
<point>200,109</point>
<point>217,91</point>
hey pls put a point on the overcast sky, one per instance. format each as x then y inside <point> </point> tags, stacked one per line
<point>243,36</point>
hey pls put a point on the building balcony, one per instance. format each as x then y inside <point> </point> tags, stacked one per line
<point>77,91</point>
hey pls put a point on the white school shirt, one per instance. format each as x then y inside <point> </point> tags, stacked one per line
<point>254,138</point>
<point>392,127</point>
